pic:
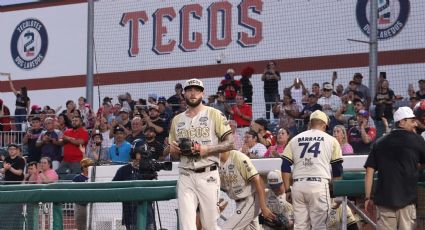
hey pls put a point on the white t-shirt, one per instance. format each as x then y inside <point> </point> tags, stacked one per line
<point>259,150</point>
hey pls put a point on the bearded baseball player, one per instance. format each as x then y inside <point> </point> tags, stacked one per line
<point>209,134</point>
<point>312,153</point>
<point>241,182</point>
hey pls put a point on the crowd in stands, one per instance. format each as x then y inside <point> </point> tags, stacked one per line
<point>62,138</point>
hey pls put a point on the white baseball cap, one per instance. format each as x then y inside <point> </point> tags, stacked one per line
<point>274,179</point>
<point>320,116</point>
<point>328,86</point>
<point>194,82</point>
<point>403,113</point>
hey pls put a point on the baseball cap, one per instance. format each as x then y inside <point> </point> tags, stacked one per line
<point>35,107</point>
<point>328,87</point>
<point>230,70</point>
<point>420,81</point>
<point>124,110</point>
<point>194,82</point>
<point>403,113</point>
<point>358,75</point>
<point>14,145</point>
<point>96,133</point>
<point>363,113</point>
<point>118,129</point>
<point>274,179</point>
<point>319,115</point>
<point>312,95</point>
<point>150,128</point>
<point>153,95</point>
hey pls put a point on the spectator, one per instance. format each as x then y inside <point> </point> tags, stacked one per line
<point>315,89</point>
<point>339,90</point>
<point>251,147</point>
<point>330,104</point>
<point>165,112</point>
<point>123,121</point>
<point>236,136</point>
<point>265,137</point>
<point>61,124</point>
<point>47,174</point>
<point>32,175</point>
<point>22,104</point>
<point>421,92</point>
<point>361,136</point>
<point>383,101</point>
<point>340,134</point>
<point>69,112</point>
<point>81,208</point>
<point>297,91</point>
<point>107,112</point>
<point>242,114</point>
<point>282,139</point>
<point>5,119</point>
<point>271,79</point>
<point>120,150</point>
<point>153,120</point>
<point>72,139</point>
<point>137,130</point>
<point>364,90</point>
<point>350,120</point>
<point>246,85</point>
<point>130,101</point>
<point>95,150</point>
<point>49,144</point>
<point>30,139</point>
<point>152,98</point>
<point>310,107</point>
<point>84,111</point>
<point>104,128</point>
<point>287,112</point>
<point>220,103</point>
<point>13,165</point>
<point>174,100</point>
<point>413,101</point>
<point>230,86</point>
<point>154,147</point>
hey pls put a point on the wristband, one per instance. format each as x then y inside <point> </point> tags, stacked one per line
<point>288,190</point>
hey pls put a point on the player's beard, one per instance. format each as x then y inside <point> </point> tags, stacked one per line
<point>193,104</point>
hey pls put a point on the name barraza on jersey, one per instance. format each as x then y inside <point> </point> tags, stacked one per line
<point>303,139</point>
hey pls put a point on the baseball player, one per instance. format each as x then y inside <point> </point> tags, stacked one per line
<point>276,198</point>
<point>199,181</point>
<point>241,182</point>
<point>311,152</point>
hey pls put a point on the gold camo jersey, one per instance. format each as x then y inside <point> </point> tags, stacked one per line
<point>278,204</point>
<point>208,127</point>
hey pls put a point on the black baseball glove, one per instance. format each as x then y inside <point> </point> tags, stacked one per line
<point>280,223</point>
<point>185,145</point>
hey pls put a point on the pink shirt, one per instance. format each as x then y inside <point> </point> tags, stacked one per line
<point>347,149</point>
<point>278,148</point>
<point>51,174</point>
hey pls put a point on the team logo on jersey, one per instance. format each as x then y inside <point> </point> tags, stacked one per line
<point>180,124</point>
<point>231,166</point>
<point>29,44</point>
<point>392,17</point>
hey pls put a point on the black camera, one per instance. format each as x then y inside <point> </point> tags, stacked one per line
<point>148,166</point>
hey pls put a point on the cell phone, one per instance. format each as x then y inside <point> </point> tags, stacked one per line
<point>334,73</point>
<point>383,75</point>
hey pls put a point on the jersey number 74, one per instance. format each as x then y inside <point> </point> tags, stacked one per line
<point>313,148</point>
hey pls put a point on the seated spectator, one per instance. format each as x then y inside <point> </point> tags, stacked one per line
<point>413,101</point>
<point>237,138</point>
<point>287,112</point>
<point>153,120</point>
<point>339,90</point>
<point>283,136</point>
<point>49,143</point>
<point>32,176</point>
<point>251,147</point>
<point>265,137</point>
<point>242,114</point>
<point>47,174</point>
<point>155,147</point>
<point>361,136</point>
<point>246,85</point>
<point>13,165</point>
<point>340,134</point>
<point>137,130</point>
<point>81,208</point>
<point>330,104</point>
<point>174,101</point>
<point>230,86</point>
<point>95,150</point>
<point>60,124</point>
<point>165,112</point>
<point>421,92</point>
<point>220,103</point>
<point>119,152</point>
<point>309,108</point>
<point>383,101</point>
<point>315,89</point>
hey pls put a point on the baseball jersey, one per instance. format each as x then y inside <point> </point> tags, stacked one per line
<point>235,175</point>
<point>208,127</point>
<point>335,218</point>
<point>278,204</point>
<point>311,153</point>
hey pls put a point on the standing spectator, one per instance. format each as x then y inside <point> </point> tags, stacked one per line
<point>61,123</point>
<point>103,126</point>
<point>242,114</point>
<point>13,165</point>
<point>30,139</point>
<point>84,111</point>
<point>5,119</point>
<point>251,147</point>
<point>153,120</point>
<point>297,91</point>
<point>120,150</point>
<point>287,112</point>
<point>237,138</point>
<point>330,104</point>
<point>69,112</point>
<point>174,100</point>
<point>283,136</point>
<point>107,112</point>
<point>361,136</point>
<point>265,137</point>
<point>220,103</point>
<point>271,78</point>
<point>352,86</point>
<point>165,112</point>
<point>72,139</point>
<point>49,144</point>
<point>384,100</point>
<point>312,153</point>
<point>309,108</point>
<point>192,190</point>
<point>364,90</point>
<point>340,134</point>
<point>154,147</point>
<point>81,208</point>
<point>421,92</point>
<point>137,130</point>
<point>47,174</point>
<point>396,157</point>
<point>246,85</point>
<point>22,104</point>
<point>230,86</point>
<point>95,150</point>
<point>315,89</point>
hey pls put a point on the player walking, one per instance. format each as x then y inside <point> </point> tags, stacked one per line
<point>199,181</point>
<point>242,183</point>
<point>311,152</point>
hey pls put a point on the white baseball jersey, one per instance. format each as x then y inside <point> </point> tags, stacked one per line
<point>335,218</point>
<point>278,204</point>
<point>235,175</point>
<point>208,127</point>
<point>311,153</point>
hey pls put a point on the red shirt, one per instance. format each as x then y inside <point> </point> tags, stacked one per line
<point>246,110</point>
<point>71,152</point>
<point>270,138</point>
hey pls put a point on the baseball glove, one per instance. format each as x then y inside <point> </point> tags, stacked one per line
<point>185,145</point>
<point>280,223</point>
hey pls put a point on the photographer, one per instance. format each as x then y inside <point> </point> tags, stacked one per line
<point>138,169</point>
